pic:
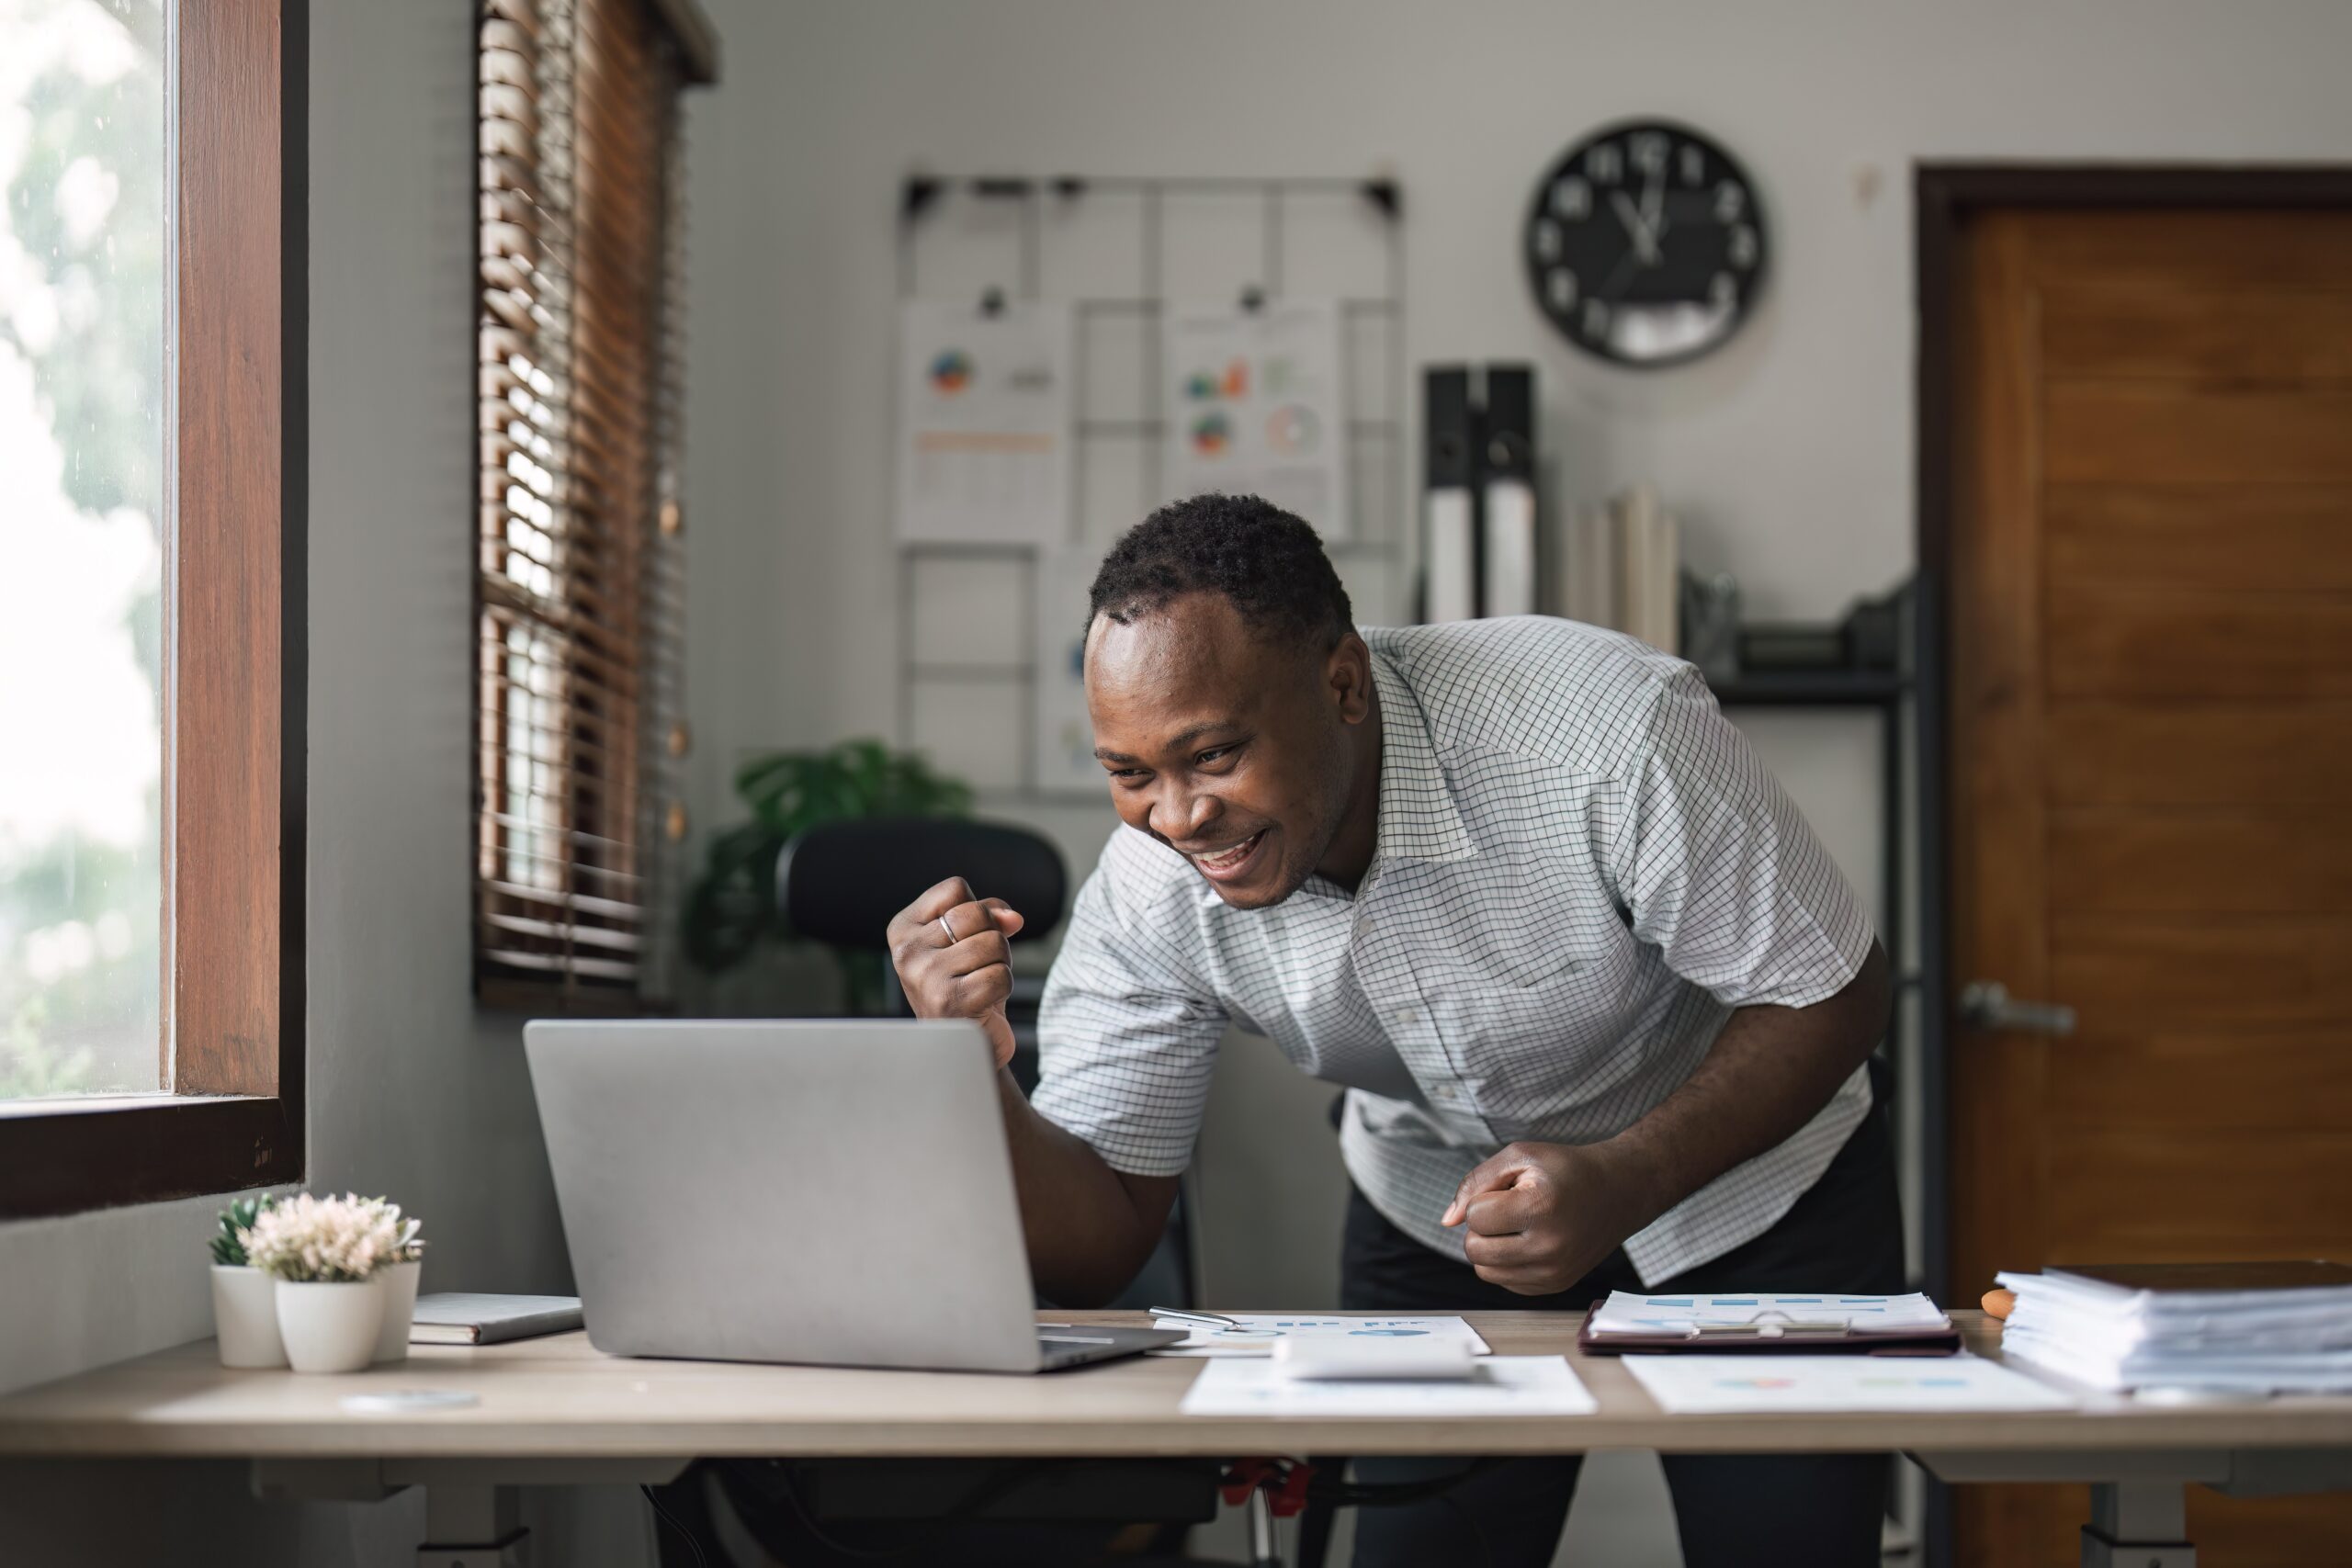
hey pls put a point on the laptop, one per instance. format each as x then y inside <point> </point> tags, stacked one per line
<point>828,1191</point>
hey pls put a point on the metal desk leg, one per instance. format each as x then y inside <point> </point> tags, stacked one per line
<point>1265,1551</point>
<point>2138,1524</point>
<point>472,1527</point>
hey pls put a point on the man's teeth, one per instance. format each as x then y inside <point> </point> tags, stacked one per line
<point>1232,857</point>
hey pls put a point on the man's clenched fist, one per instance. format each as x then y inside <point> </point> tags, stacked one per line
<point>1537,1217</point>
<point>955,960</point>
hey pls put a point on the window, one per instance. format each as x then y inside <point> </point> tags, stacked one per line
<point>81,242</point>
<point>580,575</point>
<point>150,570</point>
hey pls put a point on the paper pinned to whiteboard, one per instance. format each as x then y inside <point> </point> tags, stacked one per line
<point>1065,762</point>
<point>1255,406</point>
<point>984,424</point>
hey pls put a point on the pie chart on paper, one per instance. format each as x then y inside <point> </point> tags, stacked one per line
<point>1292,429</point>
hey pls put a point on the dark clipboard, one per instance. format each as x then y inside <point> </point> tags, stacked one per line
<point>1942,1341</point>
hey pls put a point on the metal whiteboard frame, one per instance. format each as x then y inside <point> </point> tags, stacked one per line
<point>1376,537</point>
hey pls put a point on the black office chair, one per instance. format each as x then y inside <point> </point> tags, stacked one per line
<point>842,882</point>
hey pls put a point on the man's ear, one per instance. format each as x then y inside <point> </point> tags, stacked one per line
<point>1347,673</point>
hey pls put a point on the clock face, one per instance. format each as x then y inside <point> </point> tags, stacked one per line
<point>1646,243</point>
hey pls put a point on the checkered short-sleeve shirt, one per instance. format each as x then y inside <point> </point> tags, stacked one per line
<point>1580,870</point>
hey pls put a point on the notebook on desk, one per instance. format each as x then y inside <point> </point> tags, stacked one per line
<point>456,1318</point>
<point>1814,1325</point>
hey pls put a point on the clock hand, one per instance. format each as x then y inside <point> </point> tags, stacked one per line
<point>1654,205</point>
<point>1615,283</point>
<point>1643,241</point>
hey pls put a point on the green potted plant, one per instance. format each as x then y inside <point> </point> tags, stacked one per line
<point>244,1299</point>
<point>731,909</point>
<point>398,1279</point>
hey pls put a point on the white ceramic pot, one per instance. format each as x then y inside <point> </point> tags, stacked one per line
<point>244,1317</point>
<point>398,1282</point>
<point>329,1328</point>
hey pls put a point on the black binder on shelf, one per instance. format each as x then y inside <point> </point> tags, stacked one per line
<point>1507,556</point>
<point>1450,521</point>
<point>1479,552</point>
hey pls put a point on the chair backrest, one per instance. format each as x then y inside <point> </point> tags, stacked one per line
<point>841,881</point>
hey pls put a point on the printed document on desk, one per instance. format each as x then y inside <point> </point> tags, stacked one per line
<point>1723,1385</point>
<point>1503,1385</point>
<point>1626,1313</point>
<point>1253,1334</point>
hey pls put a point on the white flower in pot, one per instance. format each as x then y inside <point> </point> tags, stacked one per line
<point>244,1299</point>
<point>398,1279</point>
<point>325,1253</point>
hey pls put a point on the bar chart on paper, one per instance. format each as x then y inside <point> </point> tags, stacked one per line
<point>1743,1384</point>
<point>1255,1333</point>
<point>1503,1386</point>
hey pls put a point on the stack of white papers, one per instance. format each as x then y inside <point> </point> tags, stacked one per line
<point>1503,1385</point>
<point>2253,1329</point>
<point>1703,1385</point>
<point>1625,1313</point>
<point>1254,1334</point>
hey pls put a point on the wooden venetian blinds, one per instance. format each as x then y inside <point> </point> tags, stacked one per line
<point>580,570</point>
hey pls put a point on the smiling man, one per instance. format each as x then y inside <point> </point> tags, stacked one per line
<point>1599,1000</point>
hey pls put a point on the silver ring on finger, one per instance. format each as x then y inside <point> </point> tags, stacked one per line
<point>948,929</point>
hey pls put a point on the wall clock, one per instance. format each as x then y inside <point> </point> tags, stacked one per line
<point>1646,243</point>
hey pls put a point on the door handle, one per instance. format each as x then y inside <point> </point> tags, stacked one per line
<point>1986,1004</point>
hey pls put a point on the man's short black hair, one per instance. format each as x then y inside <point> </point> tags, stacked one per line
<point>1267,562</point>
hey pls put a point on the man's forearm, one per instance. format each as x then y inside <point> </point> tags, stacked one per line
<point>1089,1227</point>
<point>1769,1073</point>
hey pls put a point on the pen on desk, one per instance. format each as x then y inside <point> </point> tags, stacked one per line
<point>1212,1319</point>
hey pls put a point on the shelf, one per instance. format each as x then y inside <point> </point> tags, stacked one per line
<point>1813,688</point>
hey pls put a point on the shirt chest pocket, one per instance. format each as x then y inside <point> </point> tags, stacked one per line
<point>1569,993</point>
<point>1546,944</point>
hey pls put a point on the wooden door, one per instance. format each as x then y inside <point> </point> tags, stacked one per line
<point>2152,772</point>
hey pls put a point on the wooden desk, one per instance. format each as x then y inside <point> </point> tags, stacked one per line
<point>553,1410</point>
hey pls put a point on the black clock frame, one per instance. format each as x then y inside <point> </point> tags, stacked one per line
<point>1751,288</point>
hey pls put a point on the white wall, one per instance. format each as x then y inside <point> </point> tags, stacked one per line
<point>412,1091</point>
<point>1789,453</point>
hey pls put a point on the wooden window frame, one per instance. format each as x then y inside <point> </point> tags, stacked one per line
<point>235,678</point>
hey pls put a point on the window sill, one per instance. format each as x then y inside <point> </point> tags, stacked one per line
<point>62,1157</point>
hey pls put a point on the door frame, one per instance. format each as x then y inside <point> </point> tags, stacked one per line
<point>1946,198</point>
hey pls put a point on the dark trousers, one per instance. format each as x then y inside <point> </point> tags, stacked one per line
<point>1845,1234</point>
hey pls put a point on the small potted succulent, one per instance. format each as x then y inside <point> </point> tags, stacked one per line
<point>398,1279</point>
<point>325,1254</point>
<point>244,1299</point>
